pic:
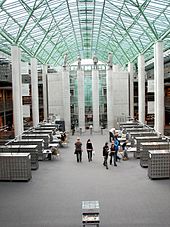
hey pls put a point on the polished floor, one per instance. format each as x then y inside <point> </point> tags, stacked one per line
<point>52,198</point>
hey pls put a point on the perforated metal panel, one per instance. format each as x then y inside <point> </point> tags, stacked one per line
<point>15,166</point>
<point>158,164</point>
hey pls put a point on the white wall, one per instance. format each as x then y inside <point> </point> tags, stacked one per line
<point>55,95</point>
<point>119,102</point>
<point>120,95</point>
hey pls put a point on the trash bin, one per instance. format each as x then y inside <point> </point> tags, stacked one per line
<point>80,131</point>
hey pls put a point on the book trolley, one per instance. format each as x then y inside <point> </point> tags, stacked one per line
<point>158,164</point>
<point>15,167</point>
<point>90,213</point>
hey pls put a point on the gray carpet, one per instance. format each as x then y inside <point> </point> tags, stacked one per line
<point>52,198</point>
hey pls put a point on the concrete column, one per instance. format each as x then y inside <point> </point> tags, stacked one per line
<point>155,89</point>
<point>131,89</point>
<point>45,93</point>
<point>81,103</point>
<point>141,88</point>
<point>16,90</point>
<point>95,99</point>
<point>160,107</point>
<point>66,99</point>
<point>34,91</point>
<point>109,76</point>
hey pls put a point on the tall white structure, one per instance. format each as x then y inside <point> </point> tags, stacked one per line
<point>109,81</point>
<point>45,94</point>
<point>95,99</point>
<point>117,96</point>
<point>155,89</point>
<point>34,91</point>
<point>131,89</point>
<point>66,99</point>
<point>141,88</point>
<point>81,103</point>
<point>55,94</point>
<point>16,90</point>
<point>120,95</point>
<point>159,87</point>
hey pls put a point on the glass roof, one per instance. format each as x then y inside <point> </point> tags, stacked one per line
<point>48,29</point>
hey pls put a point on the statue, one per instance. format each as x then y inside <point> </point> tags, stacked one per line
<point>79,62</point>
<point>65,61</point>
<point>95,61</point>
<point>110,61</point>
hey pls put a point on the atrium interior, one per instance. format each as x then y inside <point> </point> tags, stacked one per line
<point>83,69</point>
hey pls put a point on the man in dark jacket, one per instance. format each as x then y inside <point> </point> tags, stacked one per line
<point>78,150</point>
<point>105,154</point>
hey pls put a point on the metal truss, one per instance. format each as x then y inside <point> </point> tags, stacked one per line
<point>48,29</point>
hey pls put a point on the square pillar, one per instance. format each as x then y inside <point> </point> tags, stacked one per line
<point>141,88</point>
<point>110,120</point>
<point>45,92</point>
<point>159,88</point>
<point>95,99</point>
<point>16,90</point>
<point>66,99</point>
<point>81,102</point>
<point>34,92</point>
<point>131,89</point>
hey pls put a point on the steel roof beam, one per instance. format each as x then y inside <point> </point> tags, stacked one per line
<point>21,31</point>
<point>68,7</point>
<point>148,23</point>
<point>100,24</point>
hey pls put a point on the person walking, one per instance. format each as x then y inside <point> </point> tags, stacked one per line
<point>89,148</point>
<point>78,150</point>
<point>112,153</point>
<point>116,148</point>
<point>105,154</point>
<point>111,134</point>
<point>73,129</point>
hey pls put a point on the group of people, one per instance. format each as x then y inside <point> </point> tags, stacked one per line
<point>78,149</point>
<point>111,151</point>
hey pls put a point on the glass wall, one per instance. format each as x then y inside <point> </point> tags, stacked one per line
<point>88,95</point>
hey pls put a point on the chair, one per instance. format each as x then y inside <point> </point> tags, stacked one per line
<point>65,143</point>
<point>55,152</point>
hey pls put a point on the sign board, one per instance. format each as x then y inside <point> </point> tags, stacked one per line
<point>150,85</point>
<point>25,90</point>
<point>26,110</point>
<point>24,68</point>
<point>150,107</point>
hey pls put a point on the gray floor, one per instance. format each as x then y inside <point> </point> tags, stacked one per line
<point>128,198</point>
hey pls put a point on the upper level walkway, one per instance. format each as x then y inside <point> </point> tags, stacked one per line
<point>52,198</point>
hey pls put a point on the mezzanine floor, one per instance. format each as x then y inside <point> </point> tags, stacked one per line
<point>52,198</point>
